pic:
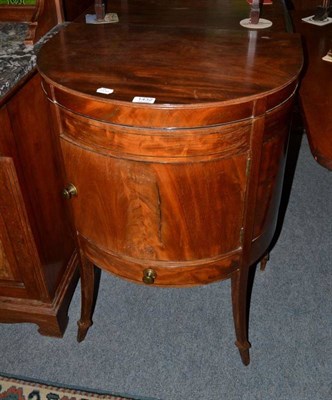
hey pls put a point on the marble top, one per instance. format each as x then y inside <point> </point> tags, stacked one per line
<point>16,58</point>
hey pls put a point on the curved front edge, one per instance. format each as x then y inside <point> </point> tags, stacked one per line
<point>177,273</point>
<point>270,178</point>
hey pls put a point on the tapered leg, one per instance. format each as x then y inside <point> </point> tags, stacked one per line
<point>240,314</point>
<point>264,261</point>
<point>87,270</point>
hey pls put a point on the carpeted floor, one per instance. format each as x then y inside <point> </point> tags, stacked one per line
<point>177,344</point>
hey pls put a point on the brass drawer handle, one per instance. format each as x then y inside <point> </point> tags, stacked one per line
<point>149,275</point>
<point>69,191</point>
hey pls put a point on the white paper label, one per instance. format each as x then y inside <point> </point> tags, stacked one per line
<point>149,100</point>
<point>104,90</point>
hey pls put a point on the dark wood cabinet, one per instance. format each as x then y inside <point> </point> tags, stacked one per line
<point>38,264</point>
<point>73,8</point>
<point>315,94</point>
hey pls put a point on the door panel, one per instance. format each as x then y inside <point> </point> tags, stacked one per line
<point>157,211</point>
<point>18,255</point>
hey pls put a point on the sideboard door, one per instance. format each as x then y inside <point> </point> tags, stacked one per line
<point>16,241</point>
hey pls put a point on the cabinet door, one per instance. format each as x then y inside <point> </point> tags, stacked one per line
<point>155,211</point>
<point>18,256</point>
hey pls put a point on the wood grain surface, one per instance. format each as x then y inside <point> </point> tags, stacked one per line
<point>172,65</point>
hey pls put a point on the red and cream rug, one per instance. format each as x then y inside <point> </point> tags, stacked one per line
<point>18,389</point>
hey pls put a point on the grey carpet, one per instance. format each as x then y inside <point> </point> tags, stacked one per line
<point>174,344</point>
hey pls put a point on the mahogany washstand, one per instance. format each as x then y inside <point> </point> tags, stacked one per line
<point>185,190</point>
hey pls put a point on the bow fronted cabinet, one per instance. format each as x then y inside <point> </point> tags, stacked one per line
<point>173,143</point>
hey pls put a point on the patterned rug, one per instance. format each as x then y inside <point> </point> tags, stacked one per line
<point>18,389</point>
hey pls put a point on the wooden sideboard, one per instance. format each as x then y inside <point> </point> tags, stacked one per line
<point>183,190</point>
<point>225,14</point>
<point>38,262</point>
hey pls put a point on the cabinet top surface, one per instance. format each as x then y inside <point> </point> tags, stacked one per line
<point>171,64</point>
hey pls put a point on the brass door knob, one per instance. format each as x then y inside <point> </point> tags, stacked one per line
<point>69,191</point>
<point>149,275</point>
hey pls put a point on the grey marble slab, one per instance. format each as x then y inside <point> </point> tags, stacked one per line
<point>16,58</point>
